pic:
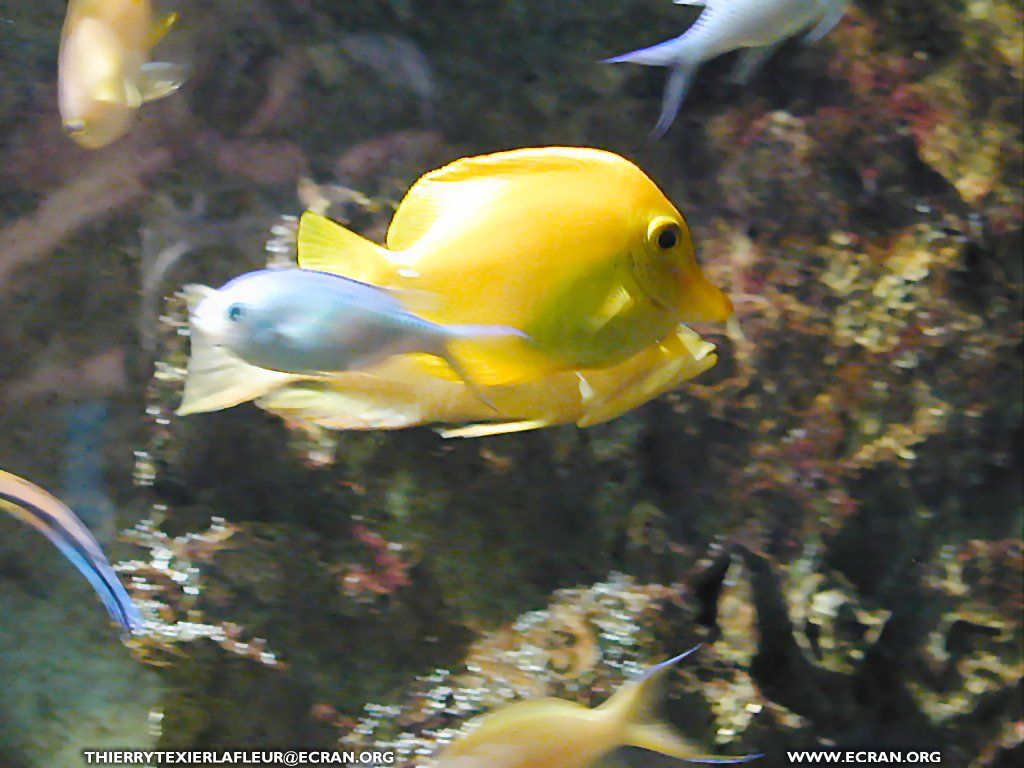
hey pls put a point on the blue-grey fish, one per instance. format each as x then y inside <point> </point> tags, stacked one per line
<point>759,26</point>
<point>274,326</point>
<point>49,515</point>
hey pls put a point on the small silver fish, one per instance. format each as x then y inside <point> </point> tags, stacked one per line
<point>759,26</point>
<point>50,516</point>
<point>273,326</point>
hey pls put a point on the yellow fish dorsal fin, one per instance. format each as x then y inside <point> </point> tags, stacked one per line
<point>160,28</point>
<point>465,185</point>
<point>326,246</point>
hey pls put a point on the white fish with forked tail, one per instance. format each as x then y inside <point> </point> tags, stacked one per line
<point>51,517</point>
<point>275,326</point>
<point>759,26</point>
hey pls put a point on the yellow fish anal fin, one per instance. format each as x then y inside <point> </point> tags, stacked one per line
<point>326,246</point>
<point>465,185</point>
<point>160,29</point>
<point>494,428</point>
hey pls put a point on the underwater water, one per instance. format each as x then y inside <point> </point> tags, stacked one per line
<point>833,508</point>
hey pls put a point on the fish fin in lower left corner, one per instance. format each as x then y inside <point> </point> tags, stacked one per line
<point>51,517</point>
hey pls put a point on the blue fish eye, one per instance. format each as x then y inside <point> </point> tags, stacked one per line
<point>236,312</point>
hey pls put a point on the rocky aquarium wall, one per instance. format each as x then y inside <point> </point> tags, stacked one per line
<point>834,509</point>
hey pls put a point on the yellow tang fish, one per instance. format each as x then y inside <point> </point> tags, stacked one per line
<point>104,72</point>
<point>554,733</point>
<point>401,393</point>
<point>575,247</point>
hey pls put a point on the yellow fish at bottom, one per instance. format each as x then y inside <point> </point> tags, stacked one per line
<point>554,733</point>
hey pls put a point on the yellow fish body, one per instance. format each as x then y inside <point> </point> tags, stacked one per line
<point>104,72</point>
<point>576,247</point>
<point>403,393</point>
<point>553,733</point>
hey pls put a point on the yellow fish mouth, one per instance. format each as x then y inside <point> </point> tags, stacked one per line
<point>74,127</point>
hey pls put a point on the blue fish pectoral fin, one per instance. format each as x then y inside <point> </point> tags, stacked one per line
<point>160,78</point>
<point>834,14</point>
<point>750,61</point>
<point>51,517</point>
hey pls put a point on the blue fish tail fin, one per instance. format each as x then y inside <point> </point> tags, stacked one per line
<point>664,54</point>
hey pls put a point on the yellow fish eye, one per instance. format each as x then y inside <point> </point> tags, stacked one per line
<point>664,234</point>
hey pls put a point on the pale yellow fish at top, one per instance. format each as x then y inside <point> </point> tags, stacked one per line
<point>104,72</point>
<point>576,247</point>
<point>554,733</point>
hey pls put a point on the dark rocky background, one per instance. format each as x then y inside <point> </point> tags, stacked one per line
<point>836,507</point>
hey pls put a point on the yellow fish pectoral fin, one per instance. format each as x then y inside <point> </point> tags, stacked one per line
<point>326,246</point>
<point>682,357</point>
<point>160,29</point>
<point>492,428</point>
<point>158,79</point>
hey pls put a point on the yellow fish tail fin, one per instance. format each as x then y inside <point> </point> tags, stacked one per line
<point>217,379</point>
<point>326,246</point>
<point>634,706</point>
<point>491,355</point>
<point>665,741</point>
